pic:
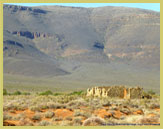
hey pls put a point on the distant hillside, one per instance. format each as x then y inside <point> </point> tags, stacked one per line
<point>51,41</point>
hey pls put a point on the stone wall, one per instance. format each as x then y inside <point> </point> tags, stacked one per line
<point>116,91</point>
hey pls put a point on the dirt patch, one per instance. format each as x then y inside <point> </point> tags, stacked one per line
<point>102,113</point>
<point>11,123</point>
<point>63,113</point>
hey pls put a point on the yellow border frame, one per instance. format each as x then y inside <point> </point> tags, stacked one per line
<point>76,1</point>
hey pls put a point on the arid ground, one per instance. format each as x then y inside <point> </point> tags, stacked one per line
<point>76,109</point>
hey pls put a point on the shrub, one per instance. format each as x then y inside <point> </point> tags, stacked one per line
<point>5,92</point>
<point>7,117</point>
<point>77,113</point>
<point>49,114</point>
<point>56,119</point>
<point>68,118</point>
<point>77,103</point>
<point>36,117</point>
<point>84,114</point>
<point>66,123</point>
<point>19,116</point>
<point>46,93</point>
<point>77,93</point>
<point>17,93</point>
<point>12,111</point>
<point>149,120</point>
<point>34,108</point>
<point>25,122</point>
<point>153,106</point>
<point>55,105</point>
<point>151,92</point>
<point>44,123</point>
<point>77,121</point>
<point>107,103</point>
<point>94,121</point>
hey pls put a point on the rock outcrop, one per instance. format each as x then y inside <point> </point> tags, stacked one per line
<point>116,91</point>
<point>34,35</point>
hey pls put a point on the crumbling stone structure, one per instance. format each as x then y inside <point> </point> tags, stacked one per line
<point>116,91</point>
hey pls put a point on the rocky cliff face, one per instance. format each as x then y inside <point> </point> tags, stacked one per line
<point>34,35</point>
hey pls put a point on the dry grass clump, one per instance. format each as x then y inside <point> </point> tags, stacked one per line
<point>12,111</point>
<point>125,111</point>
<point>35,108</point>
<point>68,118</point>
<point>44,123</point>
<point>7,117</point>
<point>149,120</point>
<point>106,103</point>
<point>25,122</point>
<point>131,119</point>
<point>49,114</point>
<point>58,106</point>
<point>94,121</point>
<point>37,117</point>
<point>79,113</point>
<point>154,105</point>
<point>65,98</point>
<point>57,118</point>
<point>20,102</point>
<point>66,123</point>
<point>94,104</point>
<point>77,121</point>
<point>19,116</point>
<point>55,105</point>
<point>144,103</point>
<point>77,103</point>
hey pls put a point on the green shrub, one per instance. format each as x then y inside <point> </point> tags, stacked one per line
<point>17,93</point>
<point>5,92</point>
<point>36,117</point>
<point>151,92</point>
<point>77,93</point>
<point>49,114</point>
<point>34,108</point>
<point>48,92</point>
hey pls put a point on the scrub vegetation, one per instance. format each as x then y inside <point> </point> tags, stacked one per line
<point>76,109</point>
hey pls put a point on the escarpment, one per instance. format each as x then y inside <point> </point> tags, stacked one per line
<point>34,35</point>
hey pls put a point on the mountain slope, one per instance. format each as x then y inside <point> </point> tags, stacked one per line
<point>46,41</point>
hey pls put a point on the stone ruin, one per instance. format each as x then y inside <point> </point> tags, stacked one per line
<point>116,91</point>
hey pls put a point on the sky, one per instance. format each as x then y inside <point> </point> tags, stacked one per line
<point>150,6</point>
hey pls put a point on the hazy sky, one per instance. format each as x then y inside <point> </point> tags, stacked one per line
<point>151,6</point>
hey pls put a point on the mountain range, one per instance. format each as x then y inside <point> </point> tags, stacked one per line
<point>76,47</point>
